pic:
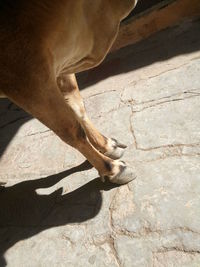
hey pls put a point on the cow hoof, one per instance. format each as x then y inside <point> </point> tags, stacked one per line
<point>124,175</point>
<point>115,149</point>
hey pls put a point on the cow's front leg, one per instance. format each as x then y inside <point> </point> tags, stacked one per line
<point>108,146</point>
<point>44,101</point>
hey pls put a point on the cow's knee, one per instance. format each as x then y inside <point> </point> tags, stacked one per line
<point>66,83</point>
<point>74,136</point>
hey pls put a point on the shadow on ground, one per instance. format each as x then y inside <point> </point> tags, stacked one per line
<point>24,213</point>
<point>11,119</point>
<point>179,40</point>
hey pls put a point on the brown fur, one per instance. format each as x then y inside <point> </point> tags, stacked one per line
<point>42,44</point>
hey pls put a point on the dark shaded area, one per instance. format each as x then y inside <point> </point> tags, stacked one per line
<point>11,119</point>
<point>182,39</point>
<point>24,213</point>
<point>143,5</point>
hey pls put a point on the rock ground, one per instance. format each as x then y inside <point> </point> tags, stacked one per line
<point>54,209</point>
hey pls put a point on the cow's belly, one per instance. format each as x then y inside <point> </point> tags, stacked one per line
<point>83,41</point>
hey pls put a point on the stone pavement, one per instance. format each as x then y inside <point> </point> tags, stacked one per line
<point>54,210</point>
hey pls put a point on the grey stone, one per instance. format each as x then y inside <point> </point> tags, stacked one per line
<point>155,129</point>
<point>163,188</point>
<point>176,258</point>
<point>173,84</point>
<point>99,104</point>
<point>116,125</point>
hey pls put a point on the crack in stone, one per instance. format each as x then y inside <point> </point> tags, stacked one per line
<point>159,101</point>
<point>107,113</point>
<point>163,72</point>
<point>191,91</point>
<point>101,93</point>
<point>179,249</point>
<point>36,133</point>
<point>113,232</point>
<point>110,241</point>
<point>170,146</point>
<point>164,102</point>
<point>132,128</point>
<point>112,246</point>
<point>164,250</point>
<point>171,156</point>
<point>175,68</point>
<point>146,231</point>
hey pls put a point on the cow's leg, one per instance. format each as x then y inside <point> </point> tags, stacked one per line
<point>44,101</point>
<point>69,88</point>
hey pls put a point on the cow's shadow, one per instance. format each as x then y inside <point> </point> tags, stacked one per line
<point>11,119</point>
<point>24,213</point>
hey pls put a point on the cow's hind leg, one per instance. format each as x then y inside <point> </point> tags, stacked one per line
<point>43,100</point>
<point>108,146</point>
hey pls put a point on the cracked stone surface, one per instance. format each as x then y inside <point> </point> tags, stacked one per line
<point>55,211</point>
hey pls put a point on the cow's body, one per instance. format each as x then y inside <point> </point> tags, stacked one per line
<point>42,43</point>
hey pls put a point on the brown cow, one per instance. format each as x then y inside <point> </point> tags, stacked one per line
<point>42,44</point>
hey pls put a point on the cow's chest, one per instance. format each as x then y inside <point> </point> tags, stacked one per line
<point>73,45</point>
